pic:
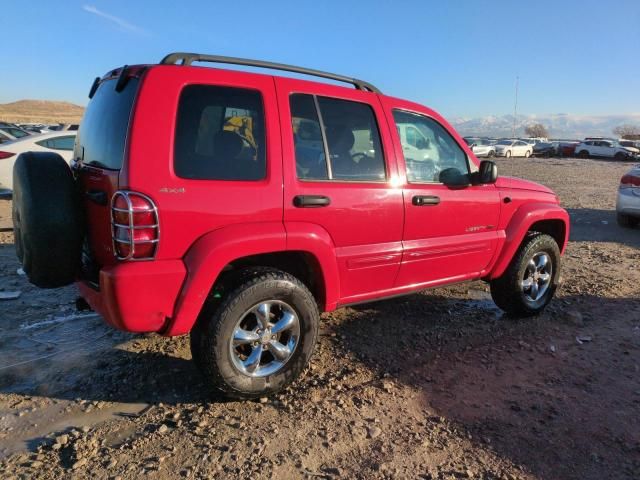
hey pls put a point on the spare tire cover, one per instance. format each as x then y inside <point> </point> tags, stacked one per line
<point>47,219</point>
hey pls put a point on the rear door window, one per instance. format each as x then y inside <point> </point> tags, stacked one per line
<point>220,134</point>
<point>344,131</point>
<point>103,131</point>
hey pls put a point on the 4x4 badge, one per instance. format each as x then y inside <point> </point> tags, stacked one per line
<point>172,190</point>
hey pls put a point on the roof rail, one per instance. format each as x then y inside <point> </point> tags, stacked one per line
<point>188,58</point>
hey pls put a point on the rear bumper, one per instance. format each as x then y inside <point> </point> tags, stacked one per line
<point>136,296</point>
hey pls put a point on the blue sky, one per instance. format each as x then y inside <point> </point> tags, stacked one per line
<point>459,57</point>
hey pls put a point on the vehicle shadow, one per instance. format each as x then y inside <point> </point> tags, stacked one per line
<point>593,225</point>
<point>527,390</point>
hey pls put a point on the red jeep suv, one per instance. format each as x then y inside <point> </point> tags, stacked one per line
<point>236,206</point>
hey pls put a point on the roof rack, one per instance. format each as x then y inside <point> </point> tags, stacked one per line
<point>188,58</point>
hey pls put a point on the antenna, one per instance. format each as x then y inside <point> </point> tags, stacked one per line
<point>515,110</point>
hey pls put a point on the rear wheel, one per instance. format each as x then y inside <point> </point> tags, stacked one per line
<point>530,281</point>
<point>507,154</point>
<point>492,153</point>
<point>260,337</point>
<point>527,154</point>
<point>620,156</point>
<point>583,154</point>
<point>627,221</point>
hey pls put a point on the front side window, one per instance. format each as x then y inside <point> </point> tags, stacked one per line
<point>437,150</point>
<point>345,132</point>
<point>220,134</point>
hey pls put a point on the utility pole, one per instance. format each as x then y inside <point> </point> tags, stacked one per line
<point>515,110</point>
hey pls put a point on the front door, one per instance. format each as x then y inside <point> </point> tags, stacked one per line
<point>449,234</point>
<point>338,162</point>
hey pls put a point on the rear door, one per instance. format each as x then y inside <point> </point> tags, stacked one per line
<point>449,234</point>
<point>98,156</point>
<point>339,165</point>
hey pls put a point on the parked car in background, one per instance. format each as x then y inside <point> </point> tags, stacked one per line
<point>58,142</point>
<point>534,140</point>
<point>628,201</point>
<point>14,132</point>
<point>604,148</point>
<point>64,127</point>
<point>545,149</point>
<point>513,148</point>
<point>630,145</point>
<point>480,146</point>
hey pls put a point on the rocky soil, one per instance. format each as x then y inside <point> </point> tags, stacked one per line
<point>437,385</point>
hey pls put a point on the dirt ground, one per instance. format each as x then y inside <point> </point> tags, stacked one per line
<point>437,385</point>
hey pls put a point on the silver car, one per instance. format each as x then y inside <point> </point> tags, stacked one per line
<point>628,203</point>
<point>480,146</point>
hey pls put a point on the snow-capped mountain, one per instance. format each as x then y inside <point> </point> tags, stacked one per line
<point>559,125</point>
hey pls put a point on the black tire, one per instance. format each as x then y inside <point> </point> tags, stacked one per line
<point>583,154</point>
<point>47,219</point>
<point>627,221</point>
<point>527,154</point>
<point>492,154</point>
<point>210,338</point>
<point>507,154</point>
<point>620,156</point>
<point>507,292</point>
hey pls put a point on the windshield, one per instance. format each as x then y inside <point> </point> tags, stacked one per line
<point>505,142</point>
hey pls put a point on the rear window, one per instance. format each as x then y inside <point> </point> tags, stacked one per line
<point>104,127</point>
<point>220,134</point>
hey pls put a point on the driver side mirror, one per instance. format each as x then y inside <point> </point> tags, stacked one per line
<point>488,173</point>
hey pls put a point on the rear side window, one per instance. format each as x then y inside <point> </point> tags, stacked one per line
<point>104,127</point>
<point>220,134</point>
<point>351,138</point>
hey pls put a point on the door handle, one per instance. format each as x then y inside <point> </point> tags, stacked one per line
<point>97,196</point>
<point>425,200</point>
<point>311,201</point>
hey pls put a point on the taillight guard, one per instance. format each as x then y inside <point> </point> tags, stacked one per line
<point>131,239</point>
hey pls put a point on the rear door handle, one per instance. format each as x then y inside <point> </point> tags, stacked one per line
<point>311,201</point>
<point>97,196</point>
<point>425,200</point>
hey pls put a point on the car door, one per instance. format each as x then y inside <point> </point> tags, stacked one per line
<point>338,184</point>
<point>519,148</point>
<point>449,234</point>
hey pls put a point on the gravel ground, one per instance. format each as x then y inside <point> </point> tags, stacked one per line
<point>434,385</point>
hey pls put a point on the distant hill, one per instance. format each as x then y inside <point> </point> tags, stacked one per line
<point>560,125</point>
<point>40,111</point>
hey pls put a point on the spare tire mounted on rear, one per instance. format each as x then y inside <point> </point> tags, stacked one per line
<point>47,219</point>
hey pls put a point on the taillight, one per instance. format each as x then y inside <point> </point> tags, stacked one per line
<point>628,181</point>
<point>134,226</point>
<point>4,155</point>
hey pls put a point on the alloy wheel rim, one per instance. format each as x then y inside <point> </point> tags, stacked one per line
<point>265,338</point>
<point>537,277</point>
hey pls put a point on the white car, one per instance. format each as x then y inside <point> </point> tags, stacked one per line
<point>513,148</point>
<point>604,148</point>
<point>59,142</point>
<point>14,133</point>
<point>628,202</point>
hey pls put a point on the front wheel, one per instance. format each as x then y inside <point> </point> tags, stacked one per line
<point>527,154</point>
<point>259,338</point>
<point>583,154</point>
<point>508,154</point>
<point>530,281</point>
